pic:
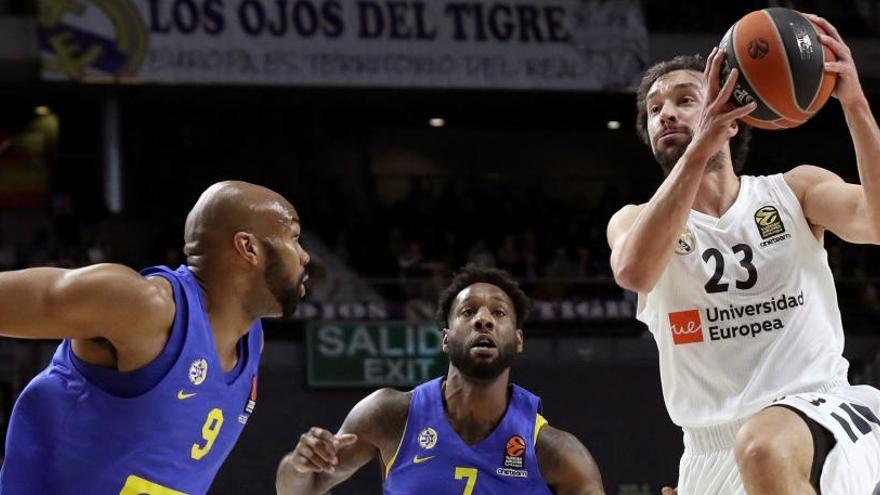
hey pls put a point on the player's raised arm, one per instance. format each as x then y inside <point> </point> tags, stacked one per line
<point>642,241</point>
<point>110,301</point>
<point>566,465</point>
<point>322,460</point>
<point>851,211</point>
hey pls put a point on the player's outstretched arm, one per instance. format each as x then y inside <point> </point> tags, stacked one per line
<point>322,460</point>
<point>642,239</point>
<point>109,301</point>
<point>566,465</point>
<point>851,211</point>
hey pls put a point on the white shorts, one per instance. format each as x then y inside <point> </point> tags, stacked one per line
<point>852,467</point>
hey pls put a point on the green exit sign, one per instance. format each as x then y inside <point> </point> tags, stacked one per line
<point>373,353</point>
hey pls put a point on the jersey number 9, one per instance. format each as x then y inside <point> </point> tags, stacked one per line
<point>210,430</point>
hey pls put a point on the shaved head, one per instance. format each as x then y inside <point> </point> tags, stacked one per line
<point>248,236</point>
<point>234,206</point>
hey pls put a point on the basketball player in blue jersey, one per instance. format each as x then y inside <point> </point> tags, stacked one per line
<point>735,287</point>
<point>156,374</point>
<point>470,432</point>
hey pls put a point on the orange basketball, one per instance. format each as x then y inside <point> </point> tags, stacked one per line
<point>781,65</point>
<point>516,446</point>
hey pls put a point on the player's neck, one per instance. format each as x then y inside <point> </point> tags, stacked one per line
<point>474,407</point>
<point>718,191</point>
<point>229,321</point>
<point>228,328</point>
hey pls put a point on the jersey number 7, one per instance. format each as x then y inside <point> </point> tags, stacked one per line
<point>469,474</point>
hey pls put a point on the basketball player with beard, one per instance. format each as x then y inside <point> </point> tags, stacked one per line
<point>470,432</point>
<point>734,284</point>
<point>156,374</point>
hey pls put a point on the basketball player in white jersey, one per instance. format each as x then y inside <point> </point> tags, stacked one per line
<point>734,284</point>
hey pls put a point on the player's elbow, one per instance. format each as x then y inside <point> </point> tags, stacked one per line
<point>633,277</point>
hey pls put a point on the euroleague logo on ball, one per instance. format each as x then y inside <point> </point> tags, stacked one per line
<point>780,60</point>
<point>758,48</point>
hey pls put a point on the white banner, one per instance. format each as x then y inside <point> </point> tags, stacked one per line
<point>523,44</point>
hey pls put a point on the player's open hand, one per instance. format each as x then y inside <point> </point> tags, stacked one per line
<point>715,126</point>
<point>848,89</point>
<point>317,450</point>
<point>669,491</point>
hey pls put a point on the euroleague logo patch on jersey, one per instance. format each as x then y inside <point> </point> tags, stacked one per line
<point>252,397</point>
<point>251,403</point>
<point>686,243</point>
<point>428,438</point>
<point>514,453</point>
<point>686,326</point>
<point>768,222</point>
<point>198,371</point>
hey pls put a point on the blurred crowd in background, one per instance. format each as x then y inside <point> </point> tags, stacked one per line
<point>407,250</point>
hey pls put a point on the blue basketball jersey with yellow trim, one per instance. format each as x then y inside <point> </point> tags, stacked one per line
<point>68,435</point>
<point>432,458</point>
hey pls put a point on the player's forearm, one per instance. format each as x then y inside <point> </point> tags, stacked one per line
<point>866,141</point>
<point>650,242</point>
<point>289,481</point>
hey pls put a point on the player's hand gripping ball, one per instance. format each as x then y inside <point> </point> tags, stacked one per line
<point>781,62</point>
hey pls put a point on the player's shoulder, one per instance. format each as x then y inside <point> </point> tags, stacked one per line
<point>380,416</point>
<point>132,312</point>
<point>114,276</point>
<point>388,398</point>
<point>386,408</point>
<point>552,440</point>
<point>802,177</point>
<point>565,462</point>
<point>118,289</point>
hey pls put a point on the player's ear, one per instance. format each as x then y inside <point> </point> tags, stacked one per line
<point>519,340</point>
<point>247,246</point>
<point>445,340</point>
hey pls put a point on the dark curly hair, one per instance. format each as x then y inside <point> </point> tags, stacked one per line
<point>739,144</point>
<point>470,275</point>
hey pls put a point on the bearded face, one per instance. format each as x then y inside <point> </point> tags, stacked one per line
<point>482,340</point>
<point>284,287</point>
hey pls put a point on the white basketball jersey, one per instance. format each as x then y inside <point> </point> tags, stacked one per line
<point>746,310</point>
